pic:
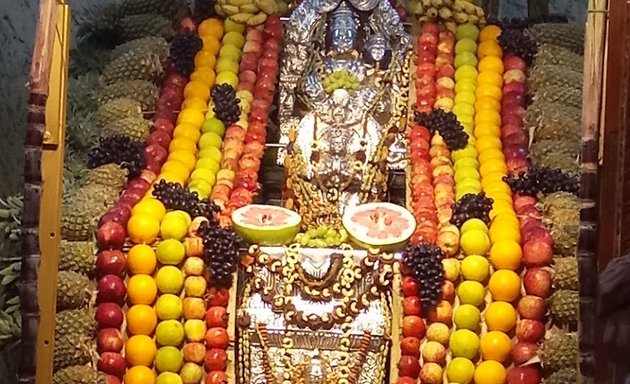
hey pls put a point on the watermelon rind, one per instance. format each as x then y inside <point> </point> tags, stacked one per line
<point>268,235</point>
<point>367,242</point>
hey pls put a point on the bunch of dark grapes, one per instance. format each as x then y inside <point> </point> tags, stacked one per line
<point>226,105</point>
<point>121,150</point>
<point>543,180</point>
<point>221,251</point>
<point>472,206</point>
<point>176,197</point>
<point>184,47</point>
<point>518,43</point>
<point>447,125</point>
<point>423,262</point>
<point>521,184</point>
<point>203,9</point>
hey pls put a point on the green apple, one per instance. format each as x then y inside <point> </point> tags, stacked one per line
<point>210,139</point>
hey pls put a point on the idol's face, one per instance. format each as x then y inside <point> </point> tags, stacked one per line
<point>344,34</point>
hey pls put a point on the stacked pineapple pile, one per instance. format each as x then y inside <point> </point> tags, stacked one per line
<point>109,102</point>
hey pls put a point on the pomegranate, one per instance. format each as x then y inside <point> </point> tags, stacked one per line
<point>215,359</point>
<point>217,337</point>
<point>409,366</point>
<point>216,316</point>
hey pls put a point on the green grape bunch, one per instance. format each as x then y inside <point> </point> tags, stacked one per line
<point>341,79</point>
<point>322,237</point>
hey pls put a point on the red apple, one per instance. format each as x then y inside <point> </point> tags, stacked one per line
<point>431,373</point>
<point>411,305</point>
<point>446,71</point>
<point>532,307</point>
<point>159,137</point>
<point>154,152</point>
<point>537,254</point>
<point>537,282</point>
<point>109,379</point>
<point>442,313</point>
<point>539,233</point>
<point>513,75</point>
<point>409,366</point>
<point>154,166</point>
<point>111,235</point>
<point>111,288</point>
<point>255,35</point>
<point>524,375</point>
<point>112,364</point>
<point>109,340</point>
<point>522,352</point>
<point>512,119</point>
<point>522,200</point>
<point>410,286</point>
<point>427,69</point>
<point>516,88</point>
<point>512,99</point>
<point>111,262</point>
<point>109,315</point>
<point>530,331</point>
<point>176,79</point>
<point>166,114</point>
<point>410,346</point>
<point>448,288</point>
<point>413,326</point>
<point>165,125</point>
<point>514,62</point>
<point>407,380</point>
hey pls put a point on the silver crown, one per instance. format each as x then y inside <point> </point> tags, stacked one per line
<point>344,13</point>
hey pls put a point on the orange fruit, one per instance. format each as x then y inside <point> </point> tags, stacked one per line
<point>487,142</point>
<point>483,129</point>
<point>490,78</point>
<point>205,59</point>
<point>489,154</point>
<point>504,232</point>
<point>171,178</point>
<point>491,64</point>
<point>141,289</point>
<point>197,88</point>
<point>489,33</point>
<point>498,186</point>
<point>489,48</point>
<point>493,165</point>
<point>140,350</point>
<point>492,176</point>
<point>487,102</point>
<point>488,116</point>
<point>150,206</point>
<point>195,103</point>
<point>491,91</point>
<point>500,316</point>
<point>191,116</point>
<point>143,228</point>
<point>506,254</point>
<point>176,167</point>
<point>204,74</point>
<point>504,284</point>
<point>141,320</point>
<point>211,27</point>
<point>182,143</point>
<point>184,157</point>
<point>495,346</point>
<point>187,131</point>
<point>139,375</point>
<point>211,44</point>
<point>490,372</point>
<point>141,259</point>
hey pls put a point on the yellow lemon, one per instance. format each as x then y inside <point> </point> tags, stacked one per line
<point>472,224</point>
<point>475,242</point>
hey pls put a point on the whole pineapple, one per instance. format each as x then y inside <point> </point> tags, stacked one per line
<point>109,175</point>
<point>559,350</point>
<point>565,273</point>
<point>151,44</point>
<point>171,9</point>
<point>555,154</point>
<point>550,54</point>
<point>117,109</point>
<point>77,256</point>
<point>553,121</point>
<point>553,93</point>
<point>74,290</point>
<point>75,322</point>
<point>134,128</point>
<point>71,350</point>
<point>137,26</point>
<point>141,64</point>
<point>562,216</point>
<point>101,196</point>
<point>143,91</point>
<point>563,376</point>
<point>554,205</point>
<point>564,307</point>
<point>79,374</point>
<point>541,76</point>
<point>569,36</point>
<point>79,220</point>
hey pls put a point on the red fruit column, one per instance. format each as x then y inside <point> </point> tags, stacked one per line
<point>536,240</point>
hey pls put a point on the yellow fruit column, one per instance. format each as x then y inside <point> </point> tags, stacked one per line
<point>505,252</point>
<point>474,241</point>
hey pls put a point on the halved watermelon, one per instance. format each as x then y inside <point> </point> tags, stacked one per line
<point>266,224</point>
<point>385,226</point>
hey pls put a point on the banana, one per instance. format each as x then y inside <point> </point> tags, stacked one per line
<point>426,3</point>
<point>457,6</point>
<point>479,12</point>
<point>238,3</point>
<point>473,19</point>
<point>219,10</point>
<point>437,3</point>
<point>241,17</point>
<point>469,8</point>
<point>451,26</point>
<point>419,10</point>
<point>432,13</point>
<point>267,6</point>
<point>445,13</point>
<point>461,18</point>
<point>230,10</point>
<point>249,8</point>
<point>448,2</point>
<point>257,19</point>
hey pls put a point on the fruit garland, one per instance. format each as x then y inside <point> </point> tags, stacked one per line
<point>246,183</point>
<point>535,237</point>
<point>140,261</point>
<point>505,252</point>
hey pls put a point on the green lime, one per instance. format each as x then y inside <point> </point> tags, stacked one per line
<point>466,72</point>
<point>169,307</point>
<point>465,58</point>
<point>181,214</point>
<point>468,151</point>
<point>474,242</point>
<point>465,45</point>
<point>467,317</point>
<point>467,30</point>
<point>169,279</point>
<point>460,371</point>
<point>471,224</point>
<point>169,378</point>
<point>169,359</point>
<point>471,292</point>
<point>464,343</point>
<point>234,38</point>
<point>202,187</point>
<point>169,333</point>
<point>210,139</point>
<point>475,267</point>
<point>171,251</point>
<point>213,125</point>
